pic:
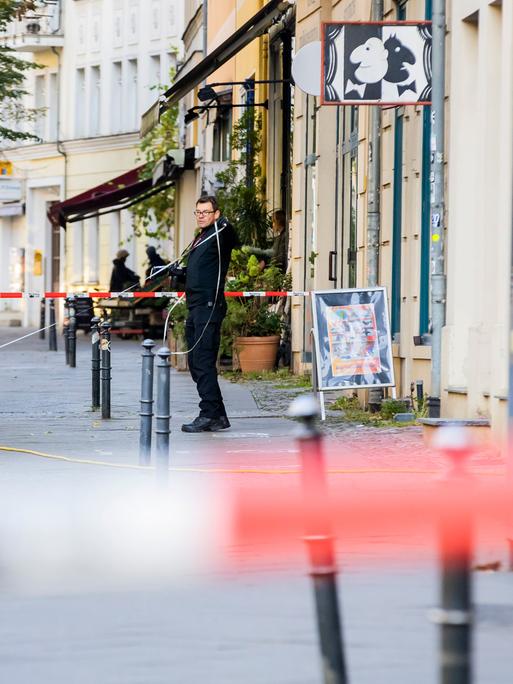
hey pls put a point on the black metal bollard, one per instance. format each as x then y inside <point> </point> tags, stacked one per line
<point>146,402</point>
<point>455,542</point>
<point>163,413</point>
<point>72,333</point>
<point>65,330</point>
<point>95,362</point>
<point>105,368</point>
<point>320,542</point>
<point>52,332</point>
<point>42,319</point>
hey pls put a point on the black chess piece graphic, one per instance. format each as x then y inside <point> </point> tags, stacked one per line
<point>398,56</point>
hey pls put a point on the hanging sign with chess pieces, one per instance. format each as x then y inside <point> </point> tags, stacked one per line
<point>383,63</point>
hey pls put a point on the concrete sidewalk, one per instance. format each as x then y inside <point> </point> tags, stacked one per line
<point>49,406</point>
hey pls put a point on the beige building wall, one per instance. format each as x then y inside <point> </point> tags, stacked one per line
<point>475,369</point>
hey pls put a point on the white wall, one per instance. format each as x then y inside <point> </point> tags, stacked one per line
<point>131,43</point>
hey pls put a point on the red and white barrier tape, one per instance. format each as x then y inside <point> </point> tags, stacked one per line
<point>139,295</point>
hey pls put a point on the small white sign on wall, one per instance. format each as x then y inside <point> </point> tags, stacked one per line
<point>10,190</point>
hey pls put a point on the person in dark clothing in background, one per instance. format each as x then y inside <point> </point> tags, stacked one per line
<point>207,265</point>
<point>279,252</point>
<point>122,277</point>
<point>155,262</point>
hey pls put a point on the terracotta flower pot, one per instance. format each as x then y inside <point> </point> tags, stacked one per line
<point>256,353</point>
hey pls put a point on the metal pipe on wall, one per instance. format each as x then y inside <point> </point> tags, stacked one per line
<point>374,178</point>
<point>438,281</point>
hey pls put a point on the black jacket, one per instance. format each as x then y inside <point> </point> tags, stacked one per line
<point>156,261</point>
<point>122,277</point>
<point>203,265</point>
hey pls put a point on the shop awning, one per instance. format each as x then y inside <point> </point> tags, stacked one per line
<point>119,193</point>
<point>254,27</point>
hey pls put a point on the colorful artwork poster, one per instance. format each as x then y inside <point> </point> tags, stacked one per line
<point>353,347</point>
<point>353,340</point>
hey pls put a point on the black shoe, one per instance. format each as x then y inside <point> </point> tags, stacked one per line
<point>199,424</point>
<point>203,424</point>
<point>223,422</point>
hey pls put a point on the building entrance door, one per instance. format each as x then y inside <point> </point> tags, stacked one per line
<point>53,278</point>
<point>343,261</point>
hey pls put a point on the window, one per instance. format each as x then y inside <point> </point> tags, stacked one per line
<point>115,231</point>
<point>95,100</point>
<point>53,107</point>
<point>397,224</point>
<point>131,99</point>
<point>155,20</point>
<point>397,218</point>
<point>118,29</point>
<point>310,216</point>
<point>154,78</point>
<point>116,105</point>
<point>347,183</point>
<point>91,238</point>
<point>221,149</point>
<point>40,103</point>
<point>80,103</point>
<point>77,250</point>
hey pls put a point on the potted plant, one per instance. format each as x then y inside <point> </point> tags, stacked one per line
<point>253,325</point>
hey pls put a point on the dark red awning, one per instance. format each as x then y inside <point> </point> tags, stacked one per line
<point>117,193</point>
<point>123,191</point>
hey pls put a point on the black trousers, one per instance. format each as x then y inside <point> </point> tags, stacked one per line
<point>203,358</point>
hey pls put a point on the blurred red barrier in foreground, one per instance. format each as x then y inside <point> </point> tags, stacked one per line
<point>362,511</point>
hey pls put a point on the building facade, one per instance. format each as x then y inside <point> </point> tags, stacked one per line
<point>331,205</point>
<point>208,26</point>
<point>330,201</point>
<point>103,63</point>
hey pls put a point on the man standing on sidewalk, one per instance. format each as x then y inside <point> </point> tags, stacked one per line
<point>207,265</point>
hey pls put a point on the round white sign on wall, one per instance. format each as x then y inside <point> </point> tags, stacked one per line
<point>306,68</point>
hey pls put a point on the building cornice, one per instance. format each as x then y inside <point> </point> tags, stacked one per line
<point>45,150</point>
<point>191,61</point>
<point>108,142</point>
<point>192,27</point>
<point>31,152</point>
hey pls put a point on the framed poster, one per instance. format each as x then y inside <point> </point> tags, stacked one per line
<point>353,347</point>
<point>385,63</point>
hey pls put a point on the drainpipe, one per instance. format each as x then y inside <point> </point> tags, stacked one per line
<point>438,281</point>
<point>374,178</point>
<point>60,147</point>
<point>203,151</point>
<point>205,27</point>
<point>373,200</point>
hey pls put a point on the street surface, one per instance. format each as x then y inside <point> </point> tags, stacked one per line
<point>249,624</point>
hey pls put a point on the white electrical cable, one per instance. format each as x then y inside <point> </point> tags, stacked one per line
<point>158,269</point>
<point>18,339</point>
<point>188,351</point>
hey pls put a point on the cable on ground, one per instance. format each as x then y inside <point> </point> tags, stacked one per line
<point>293,470</point>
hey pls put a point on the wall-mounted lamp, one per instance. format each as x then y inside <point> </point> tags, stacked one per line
<point>194,112</point>
<point>207,93</point>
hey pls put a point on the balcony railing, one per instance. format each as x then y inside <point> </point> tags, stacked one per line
<point>37,30</point>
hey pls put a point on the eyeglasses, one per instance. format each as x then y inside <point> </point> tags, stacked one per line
<point>203,213</point>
